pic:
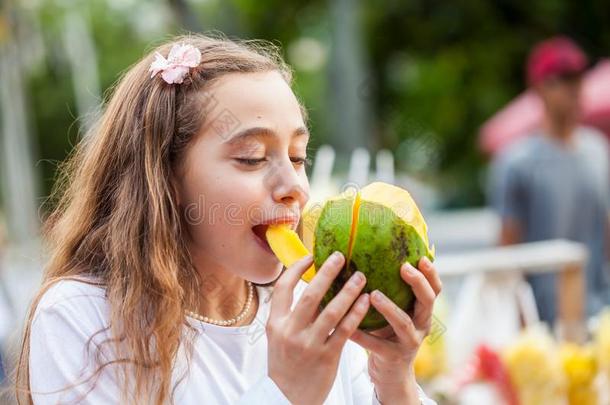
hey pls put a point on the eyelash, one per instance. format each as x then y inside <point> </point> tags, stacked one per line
<point>253,162</point>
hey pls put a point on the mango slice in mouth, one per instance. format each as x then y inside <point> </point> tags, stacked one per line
<point>288,248</point>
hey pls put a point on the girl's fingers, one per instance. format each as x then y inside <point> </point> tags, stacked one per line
<point>284,286</point>
<point>349,324</point>
<point>424,294</point>
<point>401,323</point>
<point>309,302</point>
<point>372,343</point>
<point>338,306</point>
<point>427,268</point>
<point>384,333</point>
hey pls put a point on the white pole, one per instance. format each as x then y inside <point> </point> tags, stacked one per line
<point>384,166</point>
<point>359,167</point>
<point>81,53</point>
<point>19,183</point>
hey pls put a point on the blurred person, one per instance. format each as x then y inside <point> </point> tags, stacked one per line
<point>150,298</point>
<point>554,183</point>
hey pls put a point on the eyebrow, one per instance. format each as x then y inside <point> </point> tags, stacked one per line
<point>262,132</point>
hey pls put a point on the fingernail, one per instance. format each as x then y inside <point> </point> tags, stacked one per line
<point>409,268</point>
<point>357,278</point>
<point>336,257</point>
<point>378,296</point>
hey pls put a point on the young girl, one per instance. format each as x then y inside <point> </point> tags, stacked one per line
<point>160,287</point>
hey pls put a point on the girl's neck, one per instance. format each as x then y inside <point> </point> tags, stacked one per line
<point>223,295</point>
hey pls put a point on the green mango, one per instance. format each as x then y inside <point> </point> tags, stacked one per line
<point>377,229</point>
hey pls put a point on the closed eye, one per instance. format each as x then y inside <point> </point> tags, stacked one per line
<point>250,162</point>
<point>301,161</point>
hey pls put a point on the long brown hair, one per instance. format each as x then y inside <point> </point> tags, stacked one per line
<point>116,218</point>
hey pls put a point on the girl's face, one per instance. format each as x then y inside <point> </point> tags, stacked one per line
<point>244,170</point>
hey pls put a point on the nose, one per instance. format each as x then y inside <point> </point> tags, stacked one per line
<point>287,185</point>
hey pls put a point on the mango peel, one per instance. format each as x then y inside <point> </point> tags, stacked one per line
<point>377,229</point>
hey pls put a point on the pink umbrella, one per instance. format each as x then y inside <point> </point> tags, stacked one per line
<point>524,113</point>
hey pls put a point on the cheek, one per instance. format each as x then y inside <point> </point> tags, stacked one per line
<point>240,197</point>
<point>305,181</point>
<point>304,184</point>
<point>219,206</point>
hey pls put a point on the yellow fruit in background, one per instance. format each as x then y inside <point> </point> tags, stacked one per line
<point>580,368</point>
<point>535,369</point>
<point>602,349</point>
<point>579,363</point>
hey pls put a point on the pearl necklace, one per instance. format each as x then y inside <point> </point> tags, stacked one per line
<point>227,322</point>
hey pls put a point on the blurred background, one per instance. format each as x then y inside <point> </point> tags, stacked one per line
<point>422,94</point>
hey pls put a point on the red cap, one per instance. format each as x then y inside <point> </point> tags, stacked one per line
<point>553,57</point>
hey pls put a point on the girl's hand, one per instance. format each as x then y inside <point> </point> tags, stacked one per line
<point>303,354</point>
<point>393,349</point>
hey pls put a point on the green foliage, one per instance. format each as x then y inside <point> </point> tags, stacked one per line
<point>438,69</point>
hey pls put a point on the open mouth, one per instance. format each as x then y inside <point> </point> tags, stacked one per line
<point>259,232</point>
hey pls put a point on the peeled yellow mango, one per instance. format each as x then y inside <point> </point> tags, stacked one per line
<point>288,248</point>
<point>377,229</point>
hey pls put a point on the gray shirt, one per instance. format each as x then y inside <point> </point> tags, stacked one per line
<point>558,191</point>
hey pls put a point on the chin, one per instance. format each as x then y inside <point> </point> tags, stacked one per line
<point>267,275</point>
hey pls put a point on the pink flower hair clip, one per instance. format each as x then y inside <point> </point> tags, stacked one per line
<point>181,58</point>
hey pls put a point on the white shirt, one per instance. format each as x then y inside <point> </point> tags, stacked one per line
<point>229,364</point>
